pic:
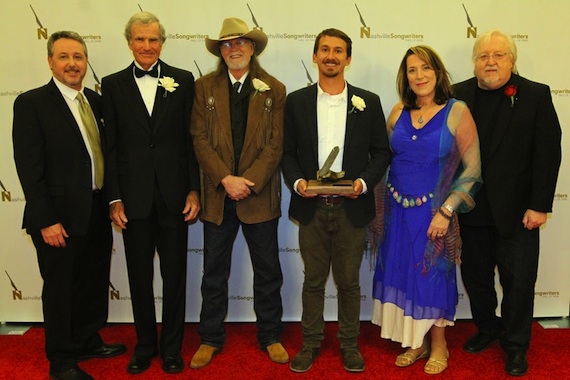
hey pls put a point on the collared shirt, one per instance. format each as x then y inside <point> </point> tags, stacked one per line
<point>147,87</point>
<point>331,125</point>
<point>70,95</point>
<point>331,129</point>
<point>241,80</point>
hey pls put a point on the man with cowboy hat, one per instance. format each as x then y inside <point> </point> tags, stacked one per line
<point>237,130</point>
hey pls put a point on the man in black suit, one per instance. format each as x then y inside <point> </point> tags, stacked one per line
<point>153,182</point>
<point>520,137</point>
<point>331,227</point>
<point>59,158</point>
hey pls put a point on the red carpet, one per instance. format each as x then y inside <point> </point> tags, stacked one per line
<point>22,357</point>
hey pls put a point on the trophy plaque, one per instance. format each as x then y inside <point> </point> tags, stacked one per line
<point>329,182</point>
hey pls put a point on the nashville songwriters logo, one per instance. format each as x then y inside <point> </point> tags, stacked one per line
<point>257,27</point>
<point>471,29</point>
<point>7,195</point>
<point>17,293</point>
<point>97,81</point>
<point>41,31</point>
<point>310,80</point>
<point>366,32</point>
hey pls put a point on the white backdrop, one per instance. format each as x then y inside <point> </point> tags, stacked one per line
<point>381,31</point>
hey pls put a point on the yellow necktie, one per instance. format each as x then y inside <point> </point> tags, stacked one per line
<point>93,137</point>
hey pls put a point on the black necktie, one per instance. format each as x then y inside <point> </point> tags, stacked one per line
<point>236,87</point>
<point>141,73</point>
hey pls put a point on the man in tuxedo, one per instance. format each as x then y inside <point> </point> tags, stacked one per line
<point>237,129</point>
<point>332,227</point>
<point>153,182</point>
<point>519,134</point>
<point>59,158</point>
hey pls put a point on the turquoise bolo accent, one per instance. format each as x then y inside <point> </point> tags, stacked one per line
<point>409,200</point>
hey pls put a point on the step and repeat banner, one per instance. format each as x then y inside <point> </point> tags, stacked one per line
<point>381,31</point>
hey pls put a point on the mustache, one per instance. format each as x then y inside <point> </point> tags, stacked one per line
<point>493,67</point>
<point>334,61</point>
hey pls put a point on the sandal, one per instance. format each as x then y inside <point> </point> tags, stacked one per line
<point>408,358</point>
<point>436,366</point>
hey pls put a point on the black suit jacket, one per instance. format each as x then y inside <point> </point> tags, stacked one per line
<point>366,151</point>
<point>143,150</point>
<point>521,168</point>
<point>52,160</point>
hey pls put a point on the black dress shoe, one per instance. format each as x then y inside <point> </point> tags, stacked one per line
<point>70,374</point>
<point>103,351</point>
<point>479,342</point>
<point>517,364</point>
<point>172,364</point>
<point>139,364</point>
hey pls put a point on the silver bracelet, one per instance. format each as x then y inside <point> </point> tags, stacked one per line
<point>448,207</point>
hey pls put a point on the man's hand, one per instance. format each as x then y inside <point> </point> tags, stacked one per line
<point>302,189</point>
<point>55,235</point>
<point>533,219</point>
<point>237,187</point>
<point>192,206</point>
<point>117,215</point>
<point>357,190</point>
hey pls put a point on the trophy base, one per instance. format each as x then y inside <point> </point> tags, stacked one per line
<point>342,186</point>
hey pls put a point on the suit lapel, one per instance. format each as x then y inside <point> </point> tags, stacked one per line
<point>311,121</point>
<point>133,98</point>
<point>504,119</point>
<point>62,106</point>
<point>350,120</point>
<point>222,99</point>
<point>255,111</point>
<point>162,98</point>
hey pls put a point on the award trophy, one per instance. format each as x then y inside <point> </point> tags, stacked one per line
<point>329,182</point>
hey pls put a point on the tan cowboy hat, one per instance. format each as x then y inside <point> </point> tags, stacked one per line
<point>233,28</point>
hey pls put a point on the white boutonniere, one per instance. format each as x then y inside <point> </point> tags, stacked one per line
<point>260,86</point>
<point>168,83</point>
<point>357,104</point>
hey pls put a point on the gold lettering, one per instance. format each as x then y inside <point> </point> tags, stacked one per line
<point>472,32</point>
<point>115,295</point>
<point>364,31</point>
<point>16,294</point>
<point>42,33</point>
<point>6,196</point>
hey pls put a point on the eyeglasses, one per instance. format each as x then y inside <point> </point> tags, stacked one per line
<point>238,43</point>
<point>498,56</point>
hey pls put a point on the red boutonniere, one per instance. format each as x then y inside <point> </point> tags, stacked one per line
<point>510,91</point>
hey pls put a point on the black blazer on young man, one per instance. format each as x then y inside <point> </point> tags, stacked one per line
<point>366,151</point>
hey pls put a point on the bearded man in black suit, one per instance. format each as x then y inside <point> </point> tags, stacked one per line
<point>59,155</point>
<point>520,137</point>
<point>153,183</point>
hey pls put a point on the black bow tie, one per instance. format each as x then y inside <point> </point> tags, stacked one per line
<point>141,73</point>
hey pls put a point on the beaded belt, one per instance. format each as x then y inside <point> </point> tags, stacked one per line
<point>409,200</point>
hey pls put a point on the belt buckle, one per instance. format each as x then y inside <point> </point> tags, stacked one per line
<point>330,201</point>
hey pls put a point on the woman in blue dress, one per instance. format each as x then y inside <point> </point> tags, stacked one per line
<point>433,175</point>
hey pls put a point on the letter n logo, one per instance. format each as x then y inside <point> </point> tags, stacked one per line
<point>6,196</point>
<point>472,32</point>
<point>16,294</point>
<point>364,32</point>
<point>115,295</point>
<point>42,33</point>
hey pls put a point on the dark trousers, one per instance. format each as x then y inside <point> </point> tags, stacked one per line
<point>75,294</point>
<point>330,240</point>
<point>168,235</point>
<point>261,240</point>
<point>516,259</point>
